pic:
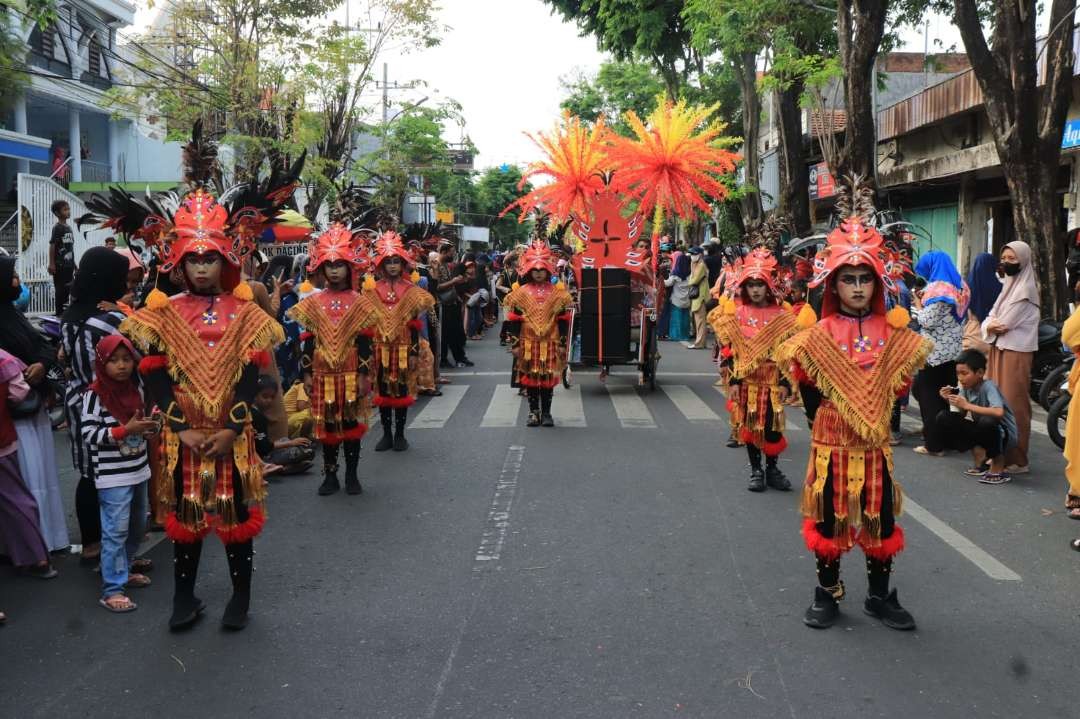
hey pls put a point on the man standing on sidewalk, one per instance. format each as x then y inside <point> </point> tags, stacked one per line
<point>447,280</point>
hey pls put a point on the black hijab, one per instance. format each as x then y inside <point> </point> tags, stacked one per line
<point>18,336</point>
<point>101,277</point>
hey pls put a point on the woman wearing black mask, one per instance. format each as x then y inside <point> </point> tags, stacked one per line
<point>1012,330</point>
<point>101,277</point>
<point>37,458</point>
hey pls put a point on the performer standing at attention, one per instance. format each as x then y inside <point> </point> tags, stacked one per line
<point>393,306</point>
<point>333,348</point>
<point>750,330</point>
<point>538,323</point>
<point>858,360</point>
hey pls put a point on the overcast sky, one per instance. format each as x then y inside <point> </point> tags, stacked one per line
<point>502,60</point>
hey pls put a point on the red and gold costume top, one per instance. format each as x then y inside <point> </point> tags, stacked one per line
<point>335,318</point>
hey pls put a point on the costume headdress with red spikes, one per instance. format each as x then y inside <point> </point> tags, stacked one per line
<point>854,242</point>
<point>538,256</point>
<point>389,245</point>
<point>760,264</point>
<point>338,242</point>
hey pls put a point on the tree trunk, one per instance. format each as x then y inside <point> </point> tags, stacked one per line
<point>795,180</point>
<point>746,70</point>
<point>860,29</point>
<point>1035,210</point>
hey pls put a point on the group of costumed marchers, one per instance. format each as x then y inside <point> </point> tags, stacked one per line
<point>750,327</point>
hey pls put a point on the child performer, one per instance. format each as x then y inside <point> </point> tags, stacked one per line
<point>333,346</point>
<point>205,347</point>
<point>857,360</point>
<point>538,326</point>
<point>750,332</point>
<point>393,308</point>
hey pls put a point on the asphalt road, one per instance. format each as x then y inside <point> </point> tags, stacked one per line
<point>615,566</point>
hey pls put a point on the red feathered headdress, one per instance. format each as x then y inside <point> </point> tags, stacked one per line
<point>389,245</point>
<point>538,256</point>
<point>338,242</point>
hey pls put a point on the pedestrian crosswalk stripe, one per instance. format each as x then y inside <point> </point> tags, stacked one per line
<point>503,409</point>
<point>687,402</point>
<point>438,409</point>
<point>629,408</point>
<point>567,409</point>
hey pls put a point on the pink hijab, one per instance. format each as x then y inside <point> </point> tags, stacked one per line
<point>1017,307</point>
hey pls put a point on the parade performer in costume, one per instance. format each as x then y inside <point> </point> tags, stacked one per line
<point>539,321</point>
<point>750,330</point>
<point>858,359</point>
<point>333,347</point>
<point>204,349</point>
<point>393,306</point>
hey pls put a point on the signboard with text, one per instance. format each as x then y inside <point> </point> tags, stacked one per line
<point>1071,136</point>
<point>822,184</point>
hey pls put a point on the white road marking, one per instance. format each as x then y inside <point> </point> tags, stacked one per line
<point>629,408</point>
<point>979,557</point>
<point>687,402</point>
<point>503,409</point>
<point>438,409</point>
<point>566,407</point>
<point>498,519</point>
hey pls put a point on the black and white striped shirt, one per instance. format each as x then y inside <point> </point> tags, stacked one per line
<point>80,340</point>
<point>110,467</point>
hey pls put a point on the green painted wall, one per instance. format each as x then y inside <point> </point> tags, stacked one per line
<point>940,222</point>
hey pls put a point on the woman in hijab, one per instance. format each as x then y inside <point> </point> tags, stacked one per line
<point>677,281</point>
<point>37,457</point>
<point>985,288</point>
<point>100,279</point>
<point>940,308</point>
<point>1012,331</point>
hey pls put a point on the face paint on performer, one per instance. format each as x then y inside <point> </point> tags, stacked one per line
<point>337,274</point>
<point>539,276</point>
<point>757,292</point>
<point>203,273</point>
<point>392,267</point>
<point>854,287</point>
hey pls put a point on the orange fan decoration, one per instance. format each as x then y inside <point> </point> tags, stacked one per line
<point>575,162</point>
<point>669,166</point>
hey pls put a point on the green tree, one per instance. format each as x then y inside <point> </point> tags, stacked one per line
<point>647,30</point>
<point>616,88</point>
<point>496,189</point>
<point>455,191</point>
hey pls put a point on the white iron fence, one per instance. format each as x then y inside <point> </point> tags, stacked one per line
<point>36,195</point>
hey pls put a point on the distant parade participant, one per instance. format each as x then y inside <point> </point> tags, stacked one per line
<point>857,359</point>
<point>204,350</point>
<point>538,323</point>
<point>750,329</point>
<point>333,320</point>
<point>393,307</point>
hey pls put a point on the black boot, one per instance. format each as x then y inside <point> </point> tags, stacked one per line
<point>757,476</point>
<point>330,483</point>
<point>352,467</point>
<point>186,606</point>
<point>401,415</point>
<point>825,608</point>
<point>774,478</point>
<point>546,420</point>
<point>733,440</point>
<point>240,558</point>
<point>882,603</point>
<point>386,416</point>
<point>534,407</point>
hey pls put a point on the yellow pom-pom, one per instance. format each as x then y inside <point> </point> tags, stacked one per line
<point>369,283</point>
<point>515,286</point>
<point>415,277</point>
<point>807,317</point>
<point>786,306</point>
<point>730,308</point>
<point>306,287</point>
<point>243,292</point>
<point>157,300</point>
<point>898,318</point>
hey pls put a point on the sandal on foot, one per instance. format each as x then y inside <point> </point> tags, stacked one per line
<point>118,604</point>
<point>995,478</point>
<point>1074,513</point>
<point>923,450</point>
<point>1075,544</point>
<point>137,581</point>
<point>977,471</point>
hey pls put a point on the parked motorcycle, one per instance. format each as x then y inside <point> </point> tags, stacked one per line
<point>49,329</point>
<point>1056,417</point>
<point>1056,383</point>
<point>1050,355</point>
